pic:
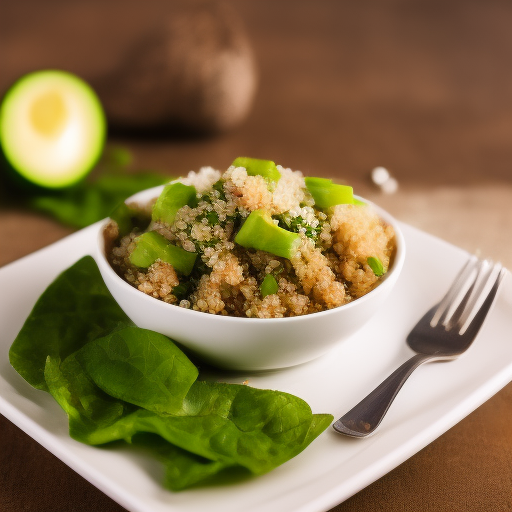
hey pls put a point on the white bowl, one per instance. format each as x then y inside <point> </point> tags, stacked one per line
<point>249,343</point>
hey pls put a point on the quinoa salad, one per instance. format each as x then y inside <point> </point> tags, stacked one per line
<point>259,241</point>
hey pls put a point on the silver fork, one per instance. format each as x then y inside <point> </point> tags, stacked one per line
<point>445,331</point>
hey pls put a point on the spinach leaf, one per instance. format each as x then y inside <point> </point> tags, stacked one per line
<point>117,382</point>
<point>235,424</point>
<point>75,309</point>
<point>90,201</point>
<point>213,424</point>
<point>184,469</point>
<point>141,367</point>
<point>94,417</point>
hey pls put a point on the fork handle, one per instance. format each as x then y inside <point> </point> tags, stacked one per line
<point>366,416</point>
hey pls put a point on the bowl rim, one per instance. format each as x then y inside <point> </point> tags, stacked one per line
<point>393,273</point>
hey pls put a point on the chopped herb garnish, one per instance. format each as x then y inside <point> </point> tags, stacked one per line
<point>299,225</point>
<point>182,290</point>
<point>213,218</point>
<point>219,187</point>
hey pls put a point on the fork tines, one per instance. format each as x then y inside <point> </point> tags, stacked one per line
<point>471,295</point>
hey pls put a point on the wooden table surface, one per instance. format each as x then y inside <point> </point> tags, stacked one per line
<point>423,88</point>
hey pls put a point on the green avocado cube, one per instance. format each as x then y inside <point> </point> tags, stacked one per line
<point>173,197</point>
<point>257,167</point>
<point>259,232</point>
<point>152,246</point>
<point>327,194</point>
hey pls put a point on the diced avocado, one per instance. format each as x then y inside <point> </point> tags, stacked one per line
<point>327,194</point>
<point>257,167</point>
<point>173,197</point>
<point>268,286</point>
<point>259,232</point>
<point>312,181</point>
<point>52,128</point>
<point>152,246</point>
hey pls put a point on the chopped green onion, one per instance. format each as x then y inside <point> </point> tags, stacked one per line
<point>268,286</point>
<point>376,265</point>
<point>172,198</point>
<point>152,246</point>
<point>259,232</point>
<point>327,194</point>
<point>257,167</point>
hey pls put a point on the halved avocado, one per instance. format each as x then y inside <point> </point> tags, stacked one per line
<point>52,128</point>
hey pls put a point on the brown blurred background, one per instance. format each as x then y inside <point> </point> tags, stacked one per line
<point>333,88</point>
<point>343,86</point>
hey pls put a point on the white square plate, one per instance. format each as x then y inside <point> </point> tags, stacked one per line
<point>334,467</point>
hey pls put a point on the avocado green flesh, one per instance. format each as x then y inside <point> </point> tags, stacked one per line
<point>257,167</point>
<point>152,246</point>
<point>327,194</point>
<point>172,198</point>
<point>259,232</point>
<point>52,128</point>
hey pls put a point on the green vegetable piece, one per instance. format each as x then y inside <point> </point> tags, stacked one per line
<point>257,167</point>
<point>259,232</point>
<point>152,246</point>
<point>173,197</point>
<point>218,425</point>
<point>127,218</point>
<point>52,129</point>
<point>318,182</point>
<point>122,215</point>
<point>376,265</point>
<point>358,202</point>
<point>91,412</point>
<point>75,309</point>
<point>80,343</point>
<point>327,194</point>
<point>163,373</point>
<point>182,290</point>
<point>91,201</point>
<point>268,286</point>
<point>233,424</point>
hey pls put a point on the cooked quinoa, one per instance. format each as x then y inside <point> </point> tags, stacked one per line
<point>330,262</point>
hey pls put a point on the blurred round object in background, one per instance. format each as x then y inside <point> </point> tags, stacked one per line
<point>52,129</point>
<point>176,65</point>
<point>193,69</point>
<point>381,178</point>
<point>380,175</point>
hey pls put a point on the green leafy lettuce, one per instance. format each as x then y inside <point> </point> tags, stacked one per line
<point>117,382</point>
